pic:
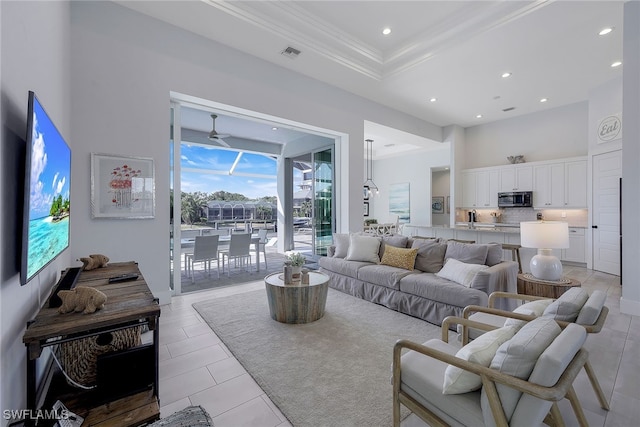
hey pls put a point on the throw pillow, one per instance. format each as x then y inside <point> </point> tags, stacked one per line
<point>460,272</point>
<point>430,256</point>
<point>532,308</point>
<point>341,241</point>
<point>494,254</point>
<point>399,257</point>
<point>467,252</point>
<point>481,351</point>
<point>591,309</point>
<point>363,248</point>
<point>517,357</point>
<point>568,306</point>
<point>397,240</point>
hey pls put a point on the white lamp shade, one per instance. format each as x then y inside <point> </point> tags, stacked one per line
<point>544,234</point>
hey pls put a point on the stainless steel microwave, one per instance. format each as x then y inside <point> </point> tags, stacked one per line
<point>515,199</point>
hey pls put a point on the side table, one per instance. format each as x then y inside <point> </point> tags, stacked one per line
<point>297,303</point>
<point>529,285</point>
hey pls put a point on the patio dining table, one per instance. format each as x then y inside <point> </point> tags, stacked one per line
<point>224,241</point>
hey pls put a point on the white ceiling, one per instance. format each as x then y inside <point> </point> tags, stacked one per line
<point>455,51</point>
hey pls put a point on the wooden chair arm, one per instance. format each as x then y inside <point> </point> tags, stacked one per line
<point>470,309</point>
<point>500,294</point>
<point>554,393</point>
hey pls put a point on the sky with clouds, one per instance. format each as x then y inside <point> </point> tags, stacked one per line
<point>210,161</point>
<point>50,164</point>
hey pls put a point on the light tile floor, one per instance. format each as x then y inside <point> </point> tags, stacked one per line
<point>197,369</point>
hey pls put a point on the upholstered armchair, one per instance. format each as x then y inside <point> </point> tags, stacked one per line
<point>574,306</point>
<point>504,378</point>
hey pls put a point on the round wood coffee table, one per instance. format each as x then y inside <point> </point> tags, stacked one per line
<point>529,285</point>
<point>297,303</point>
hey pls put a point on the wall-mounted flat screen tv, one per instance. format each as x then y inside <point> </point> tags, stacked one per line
<point>47,207</point>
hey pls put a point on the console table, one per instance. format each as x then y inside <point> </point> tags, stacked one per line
<point>529,285</point>
<point>128,304</point>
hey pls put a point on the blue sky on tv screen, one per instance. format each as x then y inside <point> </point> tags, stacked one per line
<point>50,164</point>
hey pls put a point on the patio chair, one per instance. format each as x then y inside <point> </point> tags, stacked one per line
<point>262,244</point>
<point>519,376</point>
<point>205,250</point>
<point>239,250</point>
<point>589,312</point>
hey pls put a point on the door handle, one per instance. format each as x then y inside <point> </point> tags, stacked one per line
<point>594,226</point>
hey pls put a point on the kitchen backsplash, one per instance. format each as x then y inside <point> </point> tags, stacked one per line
<point>575,217</point>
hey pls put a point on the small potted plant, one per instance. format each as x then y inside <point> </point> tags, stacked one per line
<point>296,260</point>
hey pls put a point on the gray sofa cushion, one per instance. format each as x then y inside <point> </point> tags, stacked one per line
<point>494,254</point>
<point>397,240</point>
<point>340,266</point>
<point>430,286</point>
<point>591,309</point>
<point>341,243</point>
<point>382,275</point>
<point>430,256</point>
<point>517,357</point>
<point>568,306</point>
<point>550,365</point>
<point>469,253</point>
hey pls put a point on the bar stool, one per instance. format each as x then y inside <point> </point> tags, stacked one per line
<point>515,253</point>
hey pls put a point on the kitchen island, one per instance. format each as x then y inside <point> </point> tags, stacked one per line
<point>483,232</point>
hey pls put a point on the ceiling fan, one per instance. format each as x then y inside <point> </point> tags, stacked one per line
<point>215,136</point>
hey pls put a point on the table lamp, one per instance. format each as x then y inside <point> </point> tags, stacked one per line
<point>545,236</point>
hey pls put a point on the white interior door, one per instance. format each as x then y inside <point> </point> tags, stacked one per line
<point>607,171</point>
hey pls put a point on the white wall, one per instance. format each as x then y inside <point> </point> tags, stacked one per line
<point>630,302</point>
<point>552,134</point>
<point>123,67</point>
<point>35,56</point>
<point>414,169</point>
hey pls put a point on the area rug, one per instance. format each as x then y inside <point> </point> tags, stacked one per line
<point>335,371</point>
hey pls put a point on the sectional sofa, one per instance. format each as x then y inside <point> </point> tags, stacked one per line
<point>426,278</point>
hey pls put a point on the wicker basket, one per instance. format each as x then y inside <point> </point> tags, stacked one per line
<point>78,357</point>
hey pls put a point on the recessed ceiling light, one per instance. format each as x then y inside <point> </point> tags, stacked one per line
<point>478,116</point>
<point>605,31</point>
<point>274,128</point>
<point>616,64</point>
<point>386,31</point>
<point>505,75</point>
<point>543,99</point>
<point>433,99</point>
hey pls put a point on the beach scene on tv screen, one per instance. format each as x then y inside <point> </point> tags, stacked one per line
<point>49,206</point>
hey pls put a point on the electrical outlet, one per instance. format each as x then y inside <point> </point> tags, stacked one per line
<point>563,215</point>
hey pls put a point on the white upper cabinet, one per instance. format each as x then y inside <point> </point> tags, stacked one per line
<point>560,185</point>
<point>480,188</point>
<point>575,174</point>
<point>516,178</point>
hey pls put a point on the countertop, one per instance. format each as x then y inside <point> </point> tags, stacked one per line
<point>482,227</point>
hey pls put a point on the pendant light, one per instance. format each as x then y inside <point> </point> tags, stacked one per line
<point>369,182</point>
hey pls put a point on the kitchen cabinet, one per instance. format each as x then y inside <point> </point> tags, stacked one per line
<point>480,188</point>
<point>516,178</point>
<point>576,252</point>
<point>560,185</point>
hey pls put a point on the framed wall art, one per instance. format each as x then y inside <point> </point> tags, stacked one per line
<point>437,204</point>
<point>399,202</point>
<point>122,187</point>
<point>366,208</point>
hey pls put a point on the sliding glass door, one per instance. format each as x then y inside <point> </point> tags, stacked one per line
<point>323,200</point>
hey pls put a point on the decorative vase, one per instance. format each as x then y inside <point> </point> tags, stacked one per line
<point>296,270</point>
